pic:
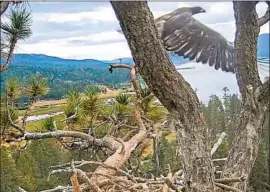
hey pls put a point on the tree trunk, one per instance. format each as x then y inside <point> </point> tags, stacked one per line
<point>253,114</point>
<point>10,54</point>
<point>153,64</point>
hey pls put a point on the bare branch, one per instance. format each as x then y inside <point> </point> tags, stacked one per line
<point>265,18</point>
<point>123,66</point>
<point>218,143</point>
<point>107,142</point>
<point>227,187</point>
<point>230,180</point>
<point>59,188</point>
<point>122,144</point>
<point>85,178</point>
<point>20,189</point>
<point>221,159</point>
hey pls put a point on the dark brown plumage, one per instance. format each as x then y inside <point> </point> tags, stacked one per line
<point>185,36</point>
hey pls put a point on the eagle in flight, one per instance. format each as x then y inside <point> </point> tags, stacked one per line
<point>185,36</point>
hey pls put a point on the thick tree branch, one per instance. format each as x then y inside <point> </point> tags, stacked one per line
<point>107,142</point>
<point>252,117</point>
<point>120,66</point>
<point>265,18</point>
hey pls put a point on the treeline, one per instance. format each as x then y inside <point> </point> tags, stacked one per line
<point>62,79</point>
<point>29,168</point>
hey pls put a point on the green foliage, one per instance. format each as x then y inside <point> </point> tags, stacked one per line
<point>147,97</point>
<point>259,178</point>
<point>92,90</point>
<point>13,88</point>
<point>123,99</point>
<point>157,114</point>
<point>36,86</point>
<point>33,165</point>
<point>48,124</point>
<point>63,78</point>
<point>166,149</point>
<point>4,122</point>
<point>119,112</point>
<point>18,25</point>
<point>74,101</point>
<point>9,174</point>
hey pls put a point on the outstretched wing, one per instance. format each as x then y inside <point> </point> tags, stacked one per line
<point>187,37</point>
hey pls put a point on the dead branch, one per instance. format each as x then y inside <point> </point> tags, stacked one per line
<point>85,178</point>
<point>178,173</point>
<point>20,189</point>
<point>107,142</point>
<point>168,182</point>
<point>265,18</point>
<point>218,143</point>
<point>122,144</point>
<point>75,182</point>
<point>59,188</point>
<point>127,136</point>
<point>230,180</point>
<point>221,159</point>
<point>123,66</point>
<point>227,187</point>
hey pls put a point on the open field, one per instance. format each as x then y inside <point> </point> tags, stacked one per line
<point>41,103</point>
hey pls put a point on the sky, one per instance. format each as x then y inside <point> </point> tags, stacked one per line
<point>80,30</point>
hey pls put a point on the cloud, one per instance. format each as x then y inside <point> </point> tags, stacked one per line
<point>82,29</point>
<point>96,15</point>
<point>65,49</point>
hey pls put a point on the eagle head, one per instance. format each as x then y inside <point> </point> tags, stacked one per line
<point>197,9</point>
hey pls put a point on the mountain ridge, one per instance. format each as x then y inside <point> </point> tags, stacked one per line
<point>46,60</point>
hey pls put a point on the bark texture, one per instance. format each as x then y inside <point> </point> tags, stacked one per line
<point>154,65</point>
<point>244,148</point>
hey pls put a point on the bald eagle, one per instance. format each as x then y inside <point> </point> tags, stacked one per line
<point>185,36</point>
